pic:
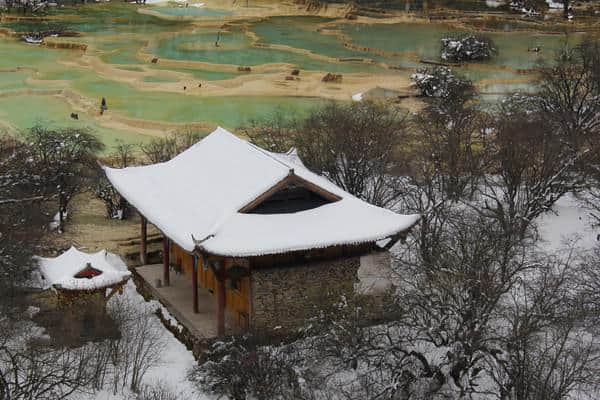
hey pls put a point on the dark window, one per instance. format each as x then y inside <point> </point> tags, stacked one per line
<point>291,199</point>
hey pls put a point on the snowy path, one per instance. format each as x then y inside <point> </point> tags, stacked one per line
<point>175,363</point>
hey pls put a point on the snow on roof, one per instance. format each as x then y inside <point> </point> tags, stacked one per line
<point>60,272</point>
<point>196,197</point>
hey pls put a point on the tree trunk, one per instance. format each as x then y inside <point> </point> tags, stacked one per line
<point>61,212</point>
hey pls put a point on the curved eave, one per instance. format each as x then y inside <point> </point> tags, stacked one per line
<point>206,249</point>
<point>58,286</point>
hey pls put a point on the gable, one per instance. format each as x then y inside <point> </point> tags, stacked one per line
<point>292,194</point>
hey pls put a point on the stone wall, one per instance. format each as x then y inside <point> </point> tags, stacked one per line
<point>286,296</point>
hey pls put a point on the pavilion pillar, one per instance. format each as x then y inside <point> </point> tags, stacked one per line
<point>195,283</point>
<point>166,262</point>
<point>221,302</point>
<point>143,239</point>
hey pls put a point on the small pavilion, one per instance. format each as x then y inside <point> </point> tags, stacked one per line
<point>259,231</point>
<point>75,273</point>
<point>81,285</point>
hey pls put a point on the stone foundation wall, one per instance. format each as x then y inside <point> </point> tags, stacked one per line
<point>286,296</point>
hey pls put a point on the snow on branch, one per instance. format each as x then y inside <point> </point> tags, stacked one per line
<point>467,48</point>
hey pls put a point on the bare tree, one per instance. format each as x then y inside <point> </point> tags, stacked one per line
<point>451,299</point>
<point>22,219</point>
<point>140,345</point>
<point>548,353</point>
<point>276,134</point>
<point>566,7</point>
<point>354,145</point>
<point>244,367</point>
<point>116,205</point>
<point>569,94</point>
<point>448,166</point>
<point>474,323</point>
<point>529,167</point>
<point>451,126</point>
<point>30,369</point>
<point>158,391</point>
<point>66,161</point>
<point>163,149</point>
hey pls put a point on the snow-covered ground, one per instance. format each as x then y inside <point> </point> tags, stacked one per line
<point>175,363</point>
<point>569,223</point>
<point>493,3</point>
<point>555,4</point>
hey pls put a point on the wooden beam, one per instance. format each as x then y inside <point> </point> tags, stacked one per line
<point>221,302</point>
<point>143,240</point>
<point>274,189</point>
<point>317,189</point>
<point>166,262</point>
<point>195,283</point>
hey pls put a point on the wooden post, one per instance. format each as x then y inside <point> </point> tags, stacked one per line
<point>195,283</point>
<point>166,277</point>
<point>221,301</point>
<point>143,251</point>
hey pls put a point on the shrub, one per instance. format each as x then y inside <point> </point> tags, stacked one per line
<point>467,48</point>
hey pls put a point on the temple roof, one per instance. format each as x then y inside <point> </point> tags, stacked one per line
<point>60,272</point>
<point>195,199</point>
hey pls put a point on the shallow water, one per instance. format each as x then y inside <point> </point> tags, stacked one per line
<point>231,111</point>
<point>26,111</point>
<point>301,33</point>
<point>201,74</point>
<point>117,34</point>
<point>159,79</point>
<point>192,12</point>
<point>424,41</point>
<point>235,48</point>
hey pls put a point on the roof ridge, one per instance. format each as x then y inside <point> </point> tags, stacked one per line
<point>257,149</point>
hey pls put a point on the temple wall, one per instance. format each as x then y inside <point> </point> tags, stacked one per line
<point>286,296</point>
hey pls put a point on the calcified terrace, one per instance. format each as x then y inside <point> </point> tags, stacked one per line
<point>223,64</point>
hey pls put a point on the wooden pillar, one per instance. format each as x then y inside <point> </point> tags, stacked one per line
<point>221,301</point>
<point>195,283</point>
<point>165,252</point>
<point>143,251</point>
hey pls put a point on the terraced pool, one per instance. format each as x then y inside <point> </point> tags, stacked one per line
<point>235,48</point>
<point>119,38</point>
<point>192,11</point>
<point>229,111</point>
<point>423,40</point>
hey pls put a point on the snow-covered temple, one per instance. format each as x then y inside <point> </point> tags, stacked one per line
<point>258,230</point>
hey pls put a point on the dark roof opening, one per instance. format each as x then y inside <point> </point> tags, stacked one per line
<point>88,272</point>
<point>290,199</point>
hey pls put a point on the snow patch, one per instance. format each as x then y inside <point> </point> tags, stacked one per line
<point>357,96</point>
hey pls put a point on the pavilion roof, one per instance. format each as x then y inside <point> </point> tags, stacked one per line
<point>60,272</point>
<point>195,199</point>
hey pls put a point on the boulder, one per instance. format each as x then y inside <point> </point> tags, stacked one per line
<point>334,78</point>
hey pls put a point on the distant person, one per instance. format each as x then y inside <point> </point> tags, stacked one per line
<point>185,87</point>
<point>103,106</point>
